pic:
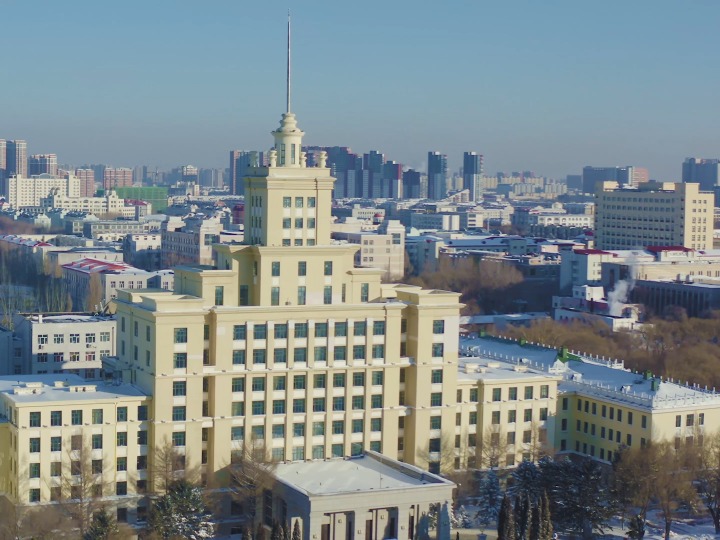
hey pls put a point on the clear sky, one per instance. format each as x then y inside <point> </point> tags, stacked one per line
<point>547,86</point>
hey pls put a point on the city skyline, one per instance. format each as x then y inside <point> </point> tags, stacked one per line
<point>556,87</point>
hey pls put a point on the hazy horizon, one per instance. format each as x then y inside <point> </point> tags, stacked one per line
<point>548,87</point>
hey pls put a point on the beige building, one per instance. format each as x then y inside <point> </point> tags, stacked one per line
<point>108,204</point>
<point>382,248</point>
<point>66,439</point>
<point>20,192</point>
<point>653,214</point>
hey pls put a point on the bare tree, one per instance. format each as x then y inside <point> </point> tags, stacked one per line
<point>708,477</point>
<point>251,474</point>
<point>494,447</point>
<point>168,465</point>
<point>81,488</point>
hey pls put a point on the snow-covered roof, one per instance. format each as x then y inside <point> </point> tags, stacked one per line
<point>368,472</point>
<point>602,377</point>
<point>63,387</point>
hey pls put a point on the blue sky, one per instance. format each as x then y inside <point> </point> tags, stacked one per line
<point>547,86</point>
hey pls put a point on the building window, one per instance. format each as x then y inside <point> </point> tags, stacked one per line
<point>180,360</point>
<point>76,417</point>
<point>436,399</point>
<point>238,357</point>
<point>34,419</point>
<point>281,331</point>
<point>300,354</point>
<point>275,268</point>
<point>328,268</point>
<point>544,391</point>
<point>260,331</point>
<point>327,294</point>
<point>178,413</point>
<point>528,392</point>
<point>358,352</point>
<point>299,382</point>
<point>97,416</point>
<point>318,404</point>
<point>379,328</point>
<point>340,329</point>
<point>438,350</point>
<point>97,441</point>
<point>237,408</point>
<point>302,291</point>
<point>259,356</point>
<point>496,394</point>
<point>287,202</point>
<point>181,335</point>
<point>275,296</point>
<point>239,332</point>
<point>179,388</point>
<point>238,384</point>
<point>364,292</point>
<point>280,356</point>
<point>340,353</point>
<point>439,326</point>
<point>55,444</point>
<point>298,405</point>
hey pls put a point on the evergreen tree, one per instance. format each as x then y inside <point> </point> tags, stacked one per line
<point>462,518</point>
<point>534,533</point>
<point>523,516</point>
<point>489,499</point>
<point>296,534</point>
<point>506,520</point>
<point>102,527</point>
<point>181,512</point>
<point>284,532</point>
<point>260,532</point>
<point>546,527</point>
<point>275,533</point>
<point>526,480</point>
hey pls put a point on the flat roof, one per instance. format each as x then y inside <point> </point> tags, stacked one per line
<point>365,473</point>
<point>25,389</point>
<point>590,374</point>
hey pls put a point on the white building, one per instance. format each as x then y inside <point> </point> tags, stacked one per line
<point>20,192</point>
<point>109,204</point>
<point>63,343</point>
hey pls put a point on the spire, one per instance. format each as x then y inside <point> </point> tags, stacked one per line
<point>288,137</point>
<point>288,63</point>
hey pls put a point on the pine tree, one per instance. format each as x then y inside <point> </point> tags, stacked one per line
<point>275,533</point>
<point>636,527</point>
<point>523,516</point>
<point>462,518</point>
<point>489,499</point>
<point>296,534</point>
<point>546,527</point>
<point>260,532</point>
<point>181,512</point>
<point>506,520</point>
<point>534,533</point>
<point>102,527</point>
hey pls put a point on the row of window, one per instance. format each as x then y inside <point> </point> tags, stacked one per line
<point>299,202</point>
<point>607,412</point>
<point>529,392</point>
<point>299,406</point>
<point>300,330</point>
<point>76,493</point>
<point>512,416</point>
<point>299,429</point>
<point>75,356</point>
<point>76,416</point>
<point>59,339</point>
<point>96,441</point>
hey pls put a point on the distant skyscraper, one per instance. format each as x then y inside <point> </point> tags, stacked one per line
<point>117,177</point>
<point>3,158</point>
<point>437,175</point>
<point>624,176</point>
<point>392,180</point>
<point>43,164</point>
<point>705,172</point>
<point>472,171</point>
<point>16,160</point>
<point>412,187</point>
<point>189,173</point>
<point>87,182</point>
<point>240,160</point>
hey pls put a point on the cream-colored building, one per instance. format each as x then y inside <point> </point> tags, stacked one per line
<point>65,439</point>
<point>109,204</point>
<point>20,192</point>
<point>600,406</point>
<point>653,214</point>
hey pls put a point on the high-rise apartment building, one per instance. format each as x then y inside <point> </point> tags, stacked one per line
<point>653,214</point>
<point>437,175</point>
<point>87,181</point>
<point>392,180</point>
<point>412,184</point>
<point>705,172</point>
<point>472,172</point>
<point>117,177</point>
<point>3,158</point>
<point>624,176</point>
<point>240,162</point>
<point>43,164</point>
<point>16,160</point>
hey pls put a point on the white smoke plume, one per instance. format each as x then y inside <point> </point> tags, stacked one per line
<point>619,295</point>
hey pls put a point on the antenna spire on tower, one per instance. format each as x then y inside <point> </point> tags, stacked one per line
<point>288,63</point>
